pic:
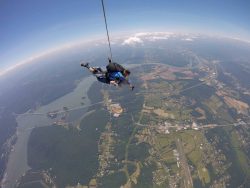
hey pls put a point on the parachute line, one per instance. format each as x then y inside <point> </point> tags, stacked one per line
<point>104,15</point>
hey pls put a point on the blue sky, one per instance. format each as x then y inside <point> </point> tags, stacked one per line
<point>30,27</point>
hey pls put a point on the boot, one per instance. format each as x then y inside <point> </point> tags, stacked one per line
<point>85,65</point>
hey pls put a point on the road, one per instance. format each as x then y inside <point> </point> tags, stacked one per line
<point>199,127</point>
<point>187,178</point>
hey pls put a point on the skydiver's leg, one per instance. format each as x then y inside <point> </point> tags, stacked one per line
<point>102,78</point>
<point>96,70</point>
<point>93,70</point>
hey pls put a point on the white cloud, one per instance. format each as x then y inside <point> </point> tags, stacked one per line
<point>154,38</point>
<point>139,38</point>
<point>188,39</point>
<point>142,34</point>
<point>132,41</point>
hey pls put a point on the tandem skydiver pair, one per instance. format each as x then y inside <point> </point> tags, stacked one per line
<point>114,74</point>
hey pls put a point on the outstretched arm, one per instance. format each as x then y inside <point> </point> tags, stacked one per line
<point>125,81</point>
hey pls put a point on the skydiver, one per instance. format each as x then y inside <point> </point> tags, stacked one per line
<point>115,67</point>
<point>113,77</point>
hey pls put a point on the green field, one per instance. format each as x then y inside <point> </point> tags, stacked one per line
<point>238,161</point>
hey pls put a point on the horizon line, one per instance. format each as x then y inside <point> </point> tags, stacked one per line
<point>74,44</point>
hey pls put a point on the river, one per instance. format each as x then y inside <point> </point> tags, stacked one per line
<point>17,163</point>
